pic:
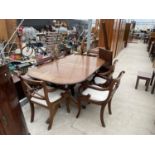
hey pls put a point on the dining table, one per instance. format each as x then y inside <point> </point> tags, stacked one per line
<point>67,71</point>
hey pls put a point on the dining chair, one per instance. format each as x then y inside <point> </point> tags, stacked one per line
<point>101,96</point>
<point>102,78</point>
<point>106,55</point>
<point>37,92</point>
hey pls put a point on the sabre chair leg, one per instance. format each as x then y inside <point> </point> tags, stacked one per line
<point>32,111</point>
<point>48,120</point>
<point>67,104</point>
<point>109,107</point>
<point>79,108</point>
<point>53,111</point>
<point>102,115</point>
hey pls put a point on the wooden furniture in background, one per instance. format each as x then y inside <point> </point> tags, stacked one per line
<point>12,121</point>
<point>115,34</point>
<point>109,31</point>
<point>151,39</point>
<point>48,97</point>
<point>126,33</point>
<point>11,26</point>
<point>152,34</point>
<point>153,82</point>
<point>143,76</point>
<point>18,86</point>
<point>3,30</point>
<point>7,27</point>
<point>106,44</point>
<point>99,95</point>
<point>152,50</point>
<point>146,39</point>
<point>120,41</point>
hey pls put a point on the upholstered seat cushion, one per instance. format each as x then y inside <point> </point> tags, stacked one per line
<point>53,96</point>
<point>99,80</point>
<point>96,95</point>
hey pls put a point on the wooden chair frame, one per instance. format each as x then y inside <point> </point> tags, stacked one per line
<point>30,88</point>
<point>106,75</point>
<point>110,71</point>
<point>113,86</point>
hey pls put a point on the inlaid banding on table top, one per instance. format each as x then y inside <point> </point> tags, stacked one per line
<point>71,69</point>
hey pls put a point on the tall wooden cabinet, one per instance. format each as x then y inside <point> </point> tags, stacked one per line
<point>126,33</point>
<point>12,121</point>
<point>115,31</point>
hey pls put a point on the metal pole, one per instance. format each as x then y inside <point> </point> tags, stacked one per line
<point>89,33</point>
<point>2,52</point>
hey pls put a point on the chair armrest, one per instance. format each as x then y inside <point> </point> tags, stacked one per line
<point>108,80</point>
<point>96,87</point>
<point>39,95</point>
<point>102,76</point>
<point>28,78</point>
<point>106,73</point>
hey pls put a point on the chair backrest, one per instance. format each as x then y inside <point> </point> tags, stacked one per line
<point>106,55</point>
<point>31,86</point>
<point>112,68</point>
<point>115,84</point>
<point>118,79</point>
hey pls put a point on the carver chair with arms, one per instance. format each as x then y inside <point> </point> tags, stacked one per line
<point>102,78</point>
<point>39,93</point>
<point>99,95</point>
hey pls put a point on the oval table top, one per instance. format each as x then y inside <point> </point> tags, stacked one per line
<point>69,70</point>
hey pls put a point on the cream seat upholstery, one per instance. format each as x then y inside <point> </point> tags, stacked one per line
<point>53,96</point>
<point>96,95</point>
<point>99,80</point>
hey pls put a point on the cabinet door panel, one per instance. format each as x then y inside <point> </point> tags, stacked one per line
<point>12,118</point>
